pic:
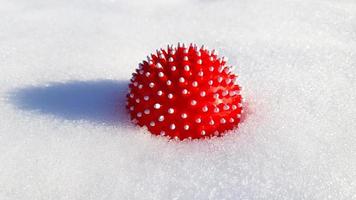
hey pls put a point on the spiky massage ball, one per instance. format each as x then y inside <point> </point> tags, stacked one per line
<point>185,92</point>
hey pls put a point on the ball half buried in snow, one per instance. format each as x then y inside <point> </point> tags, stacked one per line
<point>185,92</point>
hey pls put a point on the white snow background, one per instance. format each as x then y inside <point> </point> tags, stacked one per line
<point>65,64</point>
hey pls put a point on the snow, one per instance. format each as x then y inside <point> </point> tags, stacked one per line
<point>64,67</point>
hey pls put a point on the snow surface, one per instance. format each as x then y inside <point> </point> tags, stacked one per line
<point>64,67</point>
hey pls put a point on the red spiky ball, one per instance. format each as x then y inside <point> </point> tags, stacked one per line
<point>185,92</point>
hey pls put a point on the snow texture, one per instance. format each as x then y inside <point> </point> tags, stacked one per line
<point>64,69</point>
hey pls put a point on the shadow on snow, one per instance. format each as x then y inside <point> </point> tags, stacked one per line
<point>100,101</point>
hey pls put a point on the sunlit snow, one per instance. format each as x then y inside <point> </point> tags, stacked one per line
<point>65,65</point>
